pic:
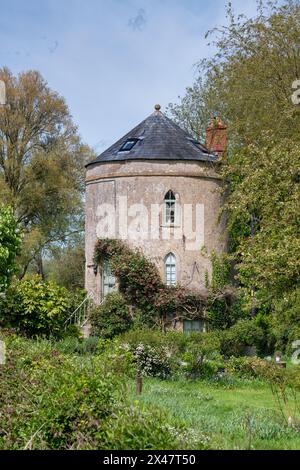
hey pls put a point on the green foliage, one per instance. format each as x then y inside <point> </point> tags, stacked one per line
<point>244,333</point>
<point>152,361</point>
<point>285,322</point>
<point>10,244</point>
<point>145,351</point>
<point>158,354</point>
<point>75,345</point>
<point>225,308</point>
<point>256,59</point>
<point>37,307</point>
<point>225,305</point>
<point>41,164</point>
<point>220,271</point>
<point>249,83</point>
<point>285,387</point>
<point>66,266</point>
<point>174,341</point>
<point>85,405</point>
<point>141,285</point>
<point>249,367</point>
<point>138,278</point>
<point>112,317</point>
<point>269,260</point>
<point>187,304</point>
<point>200,348</point>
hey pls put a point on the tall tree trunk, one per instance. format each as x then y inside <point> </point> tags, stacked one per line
<point>40,266</point>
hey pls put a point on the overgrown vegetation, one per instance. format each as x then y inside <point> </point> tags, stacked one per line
<point>112,317</point>
<point>41,166</point>
<point>141,286</point>
<point>37,308</point>
<point>65,395</point>
<point>248,82</point>
<point>10,244</point>
<point>51,400</point>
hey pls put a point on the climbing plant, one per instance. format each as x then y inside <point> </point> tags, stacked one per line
<point>225,304</point>
<point>141,285</point>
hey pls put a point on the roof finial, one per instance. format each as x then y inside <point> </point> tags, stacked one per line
<point>157,107</point>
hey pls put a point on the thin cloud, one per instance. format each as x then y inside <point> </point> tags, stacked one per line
<point>138,22</point>
<point>53,47</point>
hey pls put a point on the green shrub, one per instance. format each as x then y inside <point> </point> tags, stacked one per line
<point>175,341</point>
<point>37,307</point>
<point>201,347</point>
<point>160,354</point>
<point>81,346</point>
<point>286,320</point>
<point>151,337</point>
<point>249,367</point>
<point>53,401</point>
<point>150,429</point>
<point>244,333</point>
<point>112,317</point>
<point>10,243</point>
<point>141,285</point>
<point>152,362</point>
<point>151,355</point>
<point>153,352</point>
<point>225,308</point>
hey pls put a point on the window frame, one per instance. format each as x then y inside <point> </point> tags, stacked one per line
<point>167,213</point>
<point>202,326</point>
<point>170,273</point>
<point>107,274</point>
<point>133,140</point>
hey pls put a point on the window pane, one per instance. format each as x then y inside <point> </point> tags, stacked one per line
<point>109,280</point>
<point>193,325</point>
<point>128,145</point>
<point>170,207</point>
<point>170,269</point>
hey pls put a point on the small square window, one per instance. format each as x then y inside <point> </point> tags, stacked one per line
<point>128,145</point>
<point>193,325</point>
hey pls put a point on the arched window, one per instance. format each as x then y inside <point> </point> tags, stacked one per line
<point>108,279</point>
<point>170,208</point>
<point>170,270</point>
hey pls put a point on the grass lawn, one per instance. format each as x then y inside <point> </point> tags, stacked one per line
<point>245,416</point>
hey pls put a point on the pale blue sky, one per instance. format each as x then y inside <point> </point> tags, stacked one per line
<point>111,59</point>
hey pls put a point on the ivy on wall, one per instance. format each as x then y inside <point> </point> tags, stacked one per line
<point>141,285</point>
<point>225,304</point>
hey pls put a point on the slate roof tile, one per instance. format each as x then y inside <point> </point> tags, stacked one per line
<point>159,139</point>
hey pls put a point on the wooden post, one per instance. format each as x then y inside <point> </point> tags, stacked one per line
<point>139,384</point>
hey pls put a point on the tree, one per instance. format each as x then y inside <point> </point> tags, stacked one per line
<point>249,82</point>
<point>249,79</point>
<point>269,180</point>
<point>193,112</point>
<point>66,265</point>
<point>10,242</point>
<point>41,164</point>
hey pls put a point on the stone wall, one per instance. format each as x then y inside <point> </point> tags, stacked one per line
<point>146,183</point>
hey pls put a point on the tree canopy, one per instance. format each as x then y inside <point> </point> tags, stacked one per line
<point>249,83</point>
<point>41,164</point>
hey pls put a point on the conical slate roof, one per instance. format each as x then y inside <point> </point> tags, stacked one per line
<point>158,138</point>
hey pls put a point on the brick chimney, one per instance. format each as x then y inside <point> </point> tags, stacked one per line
<point>216,136</point>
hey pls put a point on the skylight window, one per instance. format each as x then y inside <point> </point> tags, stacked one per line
<point>128,145</point>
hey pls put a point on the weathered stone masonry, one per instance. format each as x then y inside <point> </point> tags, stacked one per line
<point>145,178</point>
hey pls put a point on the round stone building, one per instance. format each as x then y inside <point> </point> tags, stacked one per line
<point>157,189</point>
